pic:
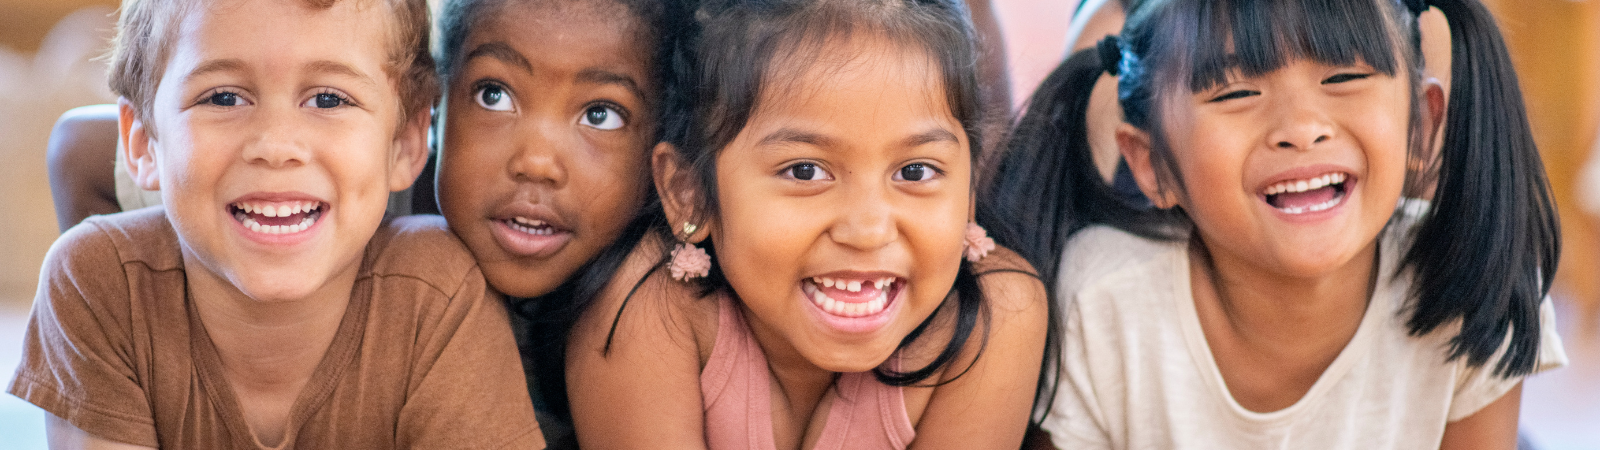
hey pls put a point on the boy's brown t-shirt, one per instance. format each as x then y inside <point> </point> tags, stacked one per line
<point>424,357</point>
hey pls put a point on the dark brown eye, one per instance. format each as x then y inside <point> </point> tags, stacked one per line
<point>804,171</point>
<point>914,172</point>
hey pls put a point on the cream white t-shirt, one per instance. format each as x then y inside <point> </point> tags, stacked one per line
<point>1137,372</point>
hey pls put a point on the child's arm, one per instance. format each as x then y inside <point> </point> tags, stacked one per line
<point>63,435</point>
<point>78,355</point>
<point>644,393</point>
<point>1494,426</point>
<point>80,157</point>
<point>988,406</point>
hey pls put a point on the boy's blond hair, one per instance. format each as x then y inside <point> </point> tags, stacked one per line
<point>146,29</point>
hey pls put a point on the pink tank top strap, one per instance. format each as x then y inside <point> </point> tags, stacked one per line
<point>734,386</point>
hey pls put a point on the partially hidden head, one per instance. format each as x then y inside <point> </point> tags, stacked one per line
<point>1286,134</point>
<point>825,161</point>
<point>274,130</point>
<point>550,112</point>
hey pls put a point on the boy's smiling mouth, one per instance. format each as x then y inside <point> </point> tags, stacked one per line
<point>277,217</point>
<point>852,296</point>
<point>1301,196</point>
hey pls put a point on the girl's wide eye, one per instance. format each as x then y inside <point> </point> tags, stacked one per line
<point>916,172</point>
<point>602,117</point>
<point>493,97</point>
<point>224,99</point>
<point>806,172</point>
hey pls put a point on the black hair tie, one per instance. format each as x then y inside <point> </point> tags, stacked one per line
<point>1110,50</point>
<point>1417,7</point>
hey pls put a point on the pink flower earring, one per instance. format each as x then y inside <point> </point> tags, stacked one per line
<point>979,244</point>
<point>690,262</point>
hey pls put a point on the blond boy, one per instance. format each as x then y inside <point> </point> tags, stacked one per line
<point>268,305</point>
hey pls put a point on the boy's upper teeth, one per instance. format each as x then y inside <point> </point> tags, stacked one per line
<point>524,221</point>
<point>1305,185</point>
<point>277,210</point>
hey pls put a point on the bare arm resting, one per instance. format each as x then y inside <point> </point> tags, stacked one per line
<point>1493,427</point>
<point>80,157</point>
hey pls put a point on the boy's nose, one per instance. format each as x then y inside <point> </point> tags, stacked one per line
<point>279,142</point>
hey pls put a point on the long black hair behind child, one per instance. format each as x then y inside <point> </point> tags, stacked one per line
<point>1484,254</point>
<point>733,50</point>
<point>552,316</point>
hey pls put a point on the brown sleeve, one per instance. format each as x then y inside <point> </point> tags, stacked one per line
<point>472,394</point>
<point>77,358</point>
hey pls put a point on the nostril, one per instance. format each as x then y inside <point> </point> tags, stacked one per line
<point>1320,139</point>
<point>1285,144</point>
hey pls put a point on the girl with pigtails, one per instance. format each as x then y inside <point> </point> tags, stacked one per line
<point>1284,288</point>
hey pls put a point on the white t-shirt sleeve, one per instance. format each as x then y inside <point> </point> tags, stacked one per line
<point>1477,387</point>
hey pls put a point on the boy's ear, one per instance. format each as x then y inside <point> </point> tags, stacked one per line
<point>410,152</point>
<point>675,184</point>
<point>1135,147</point>
<point>137,146</point>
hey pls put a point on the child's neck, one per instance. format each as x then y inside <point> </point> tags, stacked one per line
<point>1273,336</point>
<point>799,386</point>
<point>268,350</point>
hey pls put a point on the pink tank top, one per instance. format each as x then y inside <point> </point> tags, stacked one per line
<point>867,415</point>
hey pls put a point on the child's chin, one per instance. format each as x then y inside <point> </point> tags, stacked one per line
<point>855,358</point>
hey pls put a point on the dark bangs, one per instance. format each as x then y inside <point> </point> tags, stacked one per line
<point>1256,37</point>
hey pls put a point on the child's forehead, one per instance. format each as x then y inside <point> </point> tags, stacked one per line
<point>579,19</point>
<point>275,34</point>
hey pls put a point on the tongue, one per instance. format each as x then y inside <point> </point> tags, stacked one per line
<point>1304,199</point>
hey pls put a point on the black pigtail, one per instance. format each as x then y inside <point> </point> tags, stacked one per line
<point>1487,251</point>
<point>1046,186</point>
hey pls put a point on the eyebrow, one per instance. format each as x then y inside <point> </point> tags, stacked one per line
<point>788,135</point>
<point>215,66</point>
<point>320,66</point>
<point>598,76</point>
<point>793,136</point>
<point>338,68</point>
<point>500,51</point>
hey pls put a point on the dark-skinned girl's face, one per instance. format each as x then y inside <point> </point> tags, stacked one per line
<point>548,125</point>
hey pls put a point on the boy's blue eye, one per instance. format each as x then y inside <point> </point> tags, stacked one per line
<point>602,117</point>
<point>223,99</point>
<point>328,100</point>
<point>493,97</point>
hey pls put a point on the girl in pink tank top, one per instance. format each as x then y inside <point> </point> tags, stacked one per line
<point>821,283</point>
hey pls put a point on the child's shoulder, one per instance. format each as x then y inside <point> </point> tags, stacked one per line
<point>1103,252</point>
<point>142,235</point>
<point>1102,256</point>
<point>1008,280</point>
<point>420,247</point>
